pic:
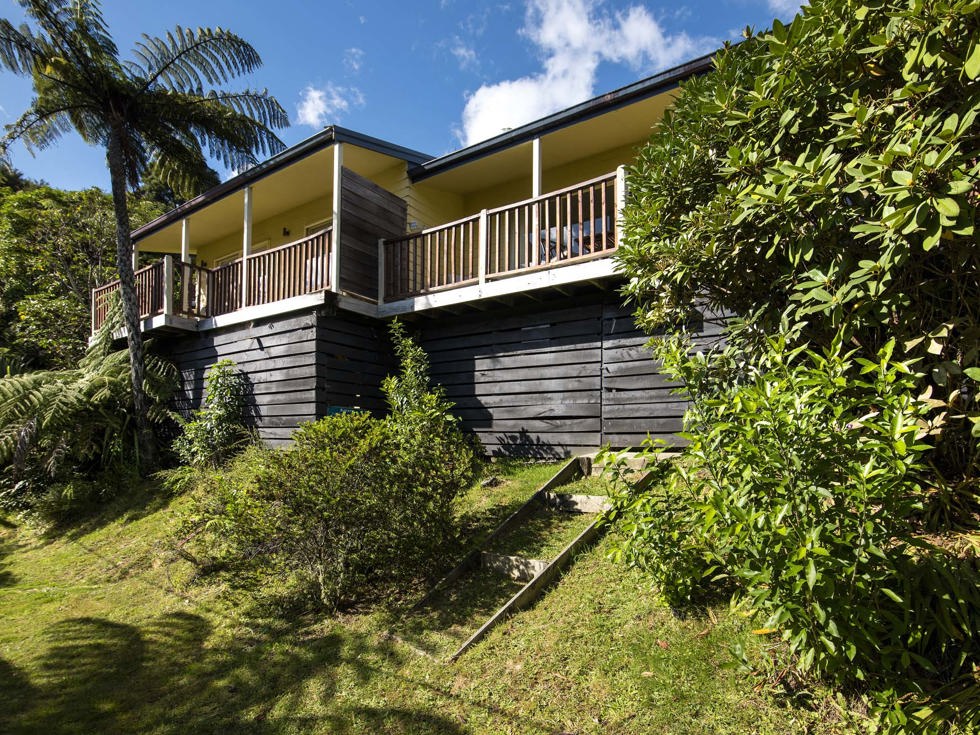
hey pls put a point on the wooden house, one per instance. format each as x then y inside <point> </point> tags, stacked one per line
<point>499,255</point>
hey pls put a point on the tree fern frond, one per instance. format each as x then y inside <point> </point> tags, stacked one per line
<point>186,59</point>
<point>39,127</point>
<point>20,50</point>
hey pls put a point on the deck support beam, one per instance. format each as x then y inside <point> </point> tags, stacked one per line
<point>168,284</point>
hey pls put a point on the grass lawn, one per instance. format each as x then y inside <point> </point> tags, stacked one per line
<point>101,633</point>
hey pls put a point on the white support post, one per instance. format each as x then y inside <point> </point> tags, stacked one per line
<point>484,232</point>
<point>185,240</point>
<point>536,167</point>
<point>535,193</point>
<point>381,270</point>
<point>246,243</point>
<point>620,200</point>
<point>136,256</point>
<point>185,257</point>
<point>168,284</point>
<point>338,174</point>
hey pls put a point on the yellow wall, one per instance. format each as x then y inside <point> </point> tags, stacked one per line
<point>295,220</point>
<point>585,169</point>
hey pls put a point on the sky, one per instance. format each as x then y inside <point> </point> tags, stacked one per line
<point>431,75</point>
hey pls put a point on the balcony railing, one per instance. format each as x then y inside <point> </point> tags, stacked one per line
<point>556,229</point>
<point>174,287</point>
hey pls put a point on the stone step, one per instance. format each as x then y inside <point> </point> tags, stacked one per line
<point>515,567</point>
<point>633,461</point>
<point>576,503</point>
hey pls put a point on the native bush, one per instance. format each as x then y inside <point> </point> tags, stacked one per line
<point>217,430</point>
<point>355,507</point>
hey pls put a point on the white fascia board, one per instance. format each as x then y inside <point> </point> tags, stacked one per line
<point>587,271</point>
<point>251,313</point>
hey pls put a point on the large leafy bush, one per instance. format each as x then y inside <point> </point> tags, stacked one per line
<point>356,505</point>
<point>820,191</point>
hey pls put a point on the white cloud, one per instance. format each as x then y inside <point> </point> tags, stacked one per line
<point>464,54</point>
<point>353,59</point>
<point>573,37</point>
<point>317,106</point>
<point>785,8</point>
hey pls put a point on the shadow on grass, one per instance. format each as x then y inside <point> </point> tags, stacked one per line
<point>166,677</point>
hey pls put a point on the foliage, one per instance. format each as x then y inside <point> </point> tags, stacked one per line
<point>60,427</point>
<point>55,247</point>
<point>216,431</point>
<point>153,115</point>
<point>826,177</point>
<point>355,505</point>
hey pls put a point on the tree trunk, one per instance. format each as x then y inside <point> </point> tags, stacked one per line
<point>130,307</point>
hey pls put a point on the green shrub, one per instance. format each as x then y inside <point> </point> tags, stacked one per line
<point>801,492</point>
<point>216,431</point>
<point>357,504</point>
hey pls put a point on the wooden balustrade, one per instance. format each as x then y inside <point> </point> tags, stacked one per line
<point>554,229</point>
<point>149,294</point>
<point>561,227</point>
<point>291,270</point>
<point>443,257</point>
<point>225,289</point>
<point>193,291</point>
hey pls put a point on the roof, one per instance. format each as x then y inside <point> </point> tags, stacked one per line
<point>421,165</point>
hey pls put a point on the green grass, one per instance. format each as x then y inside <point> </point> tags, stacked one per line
<point>100,632</point>
<point>542,534</point>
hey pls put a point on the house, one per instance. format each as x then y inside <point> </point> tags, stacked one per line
<point>498,254</point>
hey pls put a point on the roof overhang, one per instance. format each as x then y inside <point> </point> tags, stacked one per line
<point>326,138</point>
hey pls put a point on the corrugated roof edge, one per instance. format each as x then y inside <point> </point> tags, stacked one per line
<point>656,84</point>
<point>325,138</point>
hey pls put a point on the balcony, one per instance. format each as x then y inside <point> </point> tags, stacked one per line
<point>172,288</point>
<point>562,237</point>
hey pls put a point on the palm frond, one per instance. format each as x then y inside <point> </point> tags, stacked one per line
<point>39,127</point>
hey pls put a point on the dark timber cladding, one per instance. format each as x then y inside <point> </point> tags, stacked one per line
<point>553,379</point>
<point>299,366</point>
<point>368,213</point>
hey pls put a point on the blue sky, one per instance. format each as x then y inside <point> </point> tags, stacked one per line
<point>433,75</point>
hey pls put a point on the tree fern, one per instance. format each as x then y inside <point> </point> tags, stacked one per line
<point>80,417</point>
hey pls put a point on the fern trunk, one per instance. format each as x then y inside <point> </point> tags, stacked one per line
<point>127,289</point>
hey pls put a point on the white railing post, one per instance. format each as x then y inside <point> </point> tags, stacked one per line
<point>620,200</point>
<point>484,233</point>
<point>381,271</point>
<point>168,284</point>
